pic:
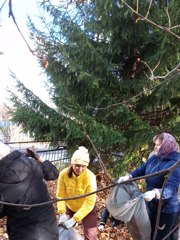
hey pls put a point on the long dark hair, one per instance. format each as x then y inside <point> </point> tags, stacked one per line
<point>70,172</point>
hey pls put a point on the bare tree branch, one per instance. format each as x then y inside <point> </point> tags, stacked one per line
<point>133,97</point>
<point>141,17</point>
<point>3,5</point>
<point>169,19</point>
<point>173,73</point>
<point>98,155</point>
<point>169,171</point>
<point>11,14</point>
<point>150,4</point>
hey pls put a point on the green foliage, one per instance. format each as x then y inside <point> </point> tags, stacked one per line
<point>100,88</point>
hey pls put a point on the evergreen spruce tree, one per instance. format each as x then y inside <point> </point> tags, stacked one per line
<point>103,97</point>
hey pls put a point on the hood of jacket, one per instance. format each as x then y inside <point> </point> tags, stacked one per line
<point>15,167</point>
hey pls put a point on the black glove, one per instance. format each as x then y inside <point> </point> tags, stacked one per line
<point>30,152</point>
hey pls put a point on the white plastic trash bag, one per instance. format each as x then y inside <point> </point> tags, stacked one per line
<point>127,204</point>
<point>69,234</point>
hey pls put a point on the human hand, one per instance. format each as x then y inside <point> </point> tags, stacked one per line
<point>31,152</point>
<point>63,218</point>
<point>70,223</point>
<point>124,178</point>
<point>149,195</point>
<point>101,227</point>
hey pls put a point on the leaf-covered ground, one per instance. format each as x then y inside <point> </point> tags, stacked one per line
<point>117,233</point>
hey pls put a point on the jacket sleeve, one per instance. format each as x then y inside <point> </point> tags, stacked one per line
<point>140,171</point>
<point>172,185</point>
<point>89,202</point>
<point>49,170</point>
<point>104,216</point>
<point>2,207</point>
<point>61,205</point>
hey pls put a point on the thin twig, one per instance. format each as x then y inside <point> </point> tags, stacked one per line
<point>173,72</point>
<point>128,100</point>
<point>160,205</point>
<point>3,5</point>
<point>151,22</point>
<point>169,19</point>
<point>98,155</point>
<point>150,4</point>
<point>172,231</point>
<point>11,14</point>
<point>169,172</point>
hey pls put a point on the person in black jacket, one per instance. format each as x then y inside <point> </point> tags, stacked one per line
<point>22,182</point>
<point>103,220</point>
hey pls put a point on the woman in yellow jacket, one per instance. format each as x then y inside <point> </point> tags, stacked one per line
<point>73,181</point>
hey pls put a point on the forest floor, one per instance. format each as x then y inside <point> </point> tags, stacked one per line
<point>119,232</point>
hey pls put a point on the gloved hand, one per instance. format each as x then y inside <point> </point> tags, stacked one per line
<point>70,223</point>
<point>124,178</point>
<point>149,195</point>
<point>101,227</point>
<point>63,218</point>
<point>31,152</point>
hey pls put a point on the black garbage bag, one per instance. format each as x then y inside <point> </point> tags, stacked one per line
<point>68,234</point>
<point>126,203</point>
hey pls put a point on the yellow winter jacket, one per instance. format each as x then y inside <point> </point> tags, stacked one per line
<point>76,186</point>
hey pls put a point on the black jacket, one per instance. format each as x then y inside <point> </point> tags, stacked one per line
<point>22,182</point>
<point>104,217</point>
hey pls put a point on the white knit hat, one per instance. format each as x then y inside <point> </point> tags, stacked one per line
<point>80,156</point>
<point>4,150</point>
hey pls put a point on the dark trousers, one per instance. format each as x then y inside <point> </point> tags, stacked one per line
<point>89,224</point>
<point>175,234</point>
<point>166,224</point>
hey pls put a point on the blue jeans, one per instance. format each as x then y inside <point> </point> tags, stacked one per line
<point>166,224</point>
